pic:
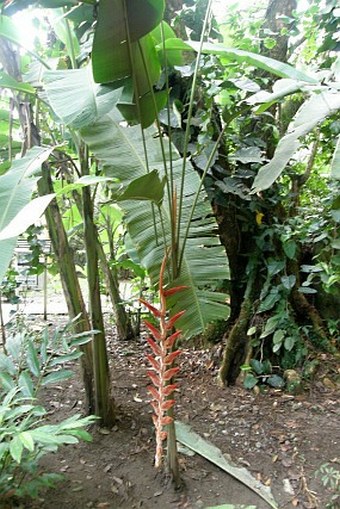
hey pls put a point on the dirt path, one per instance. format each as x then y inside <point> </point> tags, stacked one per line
<point>281,439</point>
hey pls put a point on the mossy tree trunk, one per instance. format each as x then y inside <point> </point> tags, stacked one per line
<point>237,341</point>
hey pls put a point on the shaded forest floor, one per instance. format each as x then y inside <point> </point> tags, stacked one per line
<point>282,439</point>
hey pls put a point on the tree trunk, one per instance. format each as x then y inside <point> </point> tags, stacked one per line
<point>236,346</point>
<point>69,280</point>
<point>104,403</point>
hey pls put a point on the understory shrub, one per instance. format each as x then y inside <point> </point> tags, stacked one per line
<point>29,363</point>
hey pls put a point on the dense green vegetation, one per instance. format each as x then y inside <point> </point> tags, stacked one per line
<point>217,152</point>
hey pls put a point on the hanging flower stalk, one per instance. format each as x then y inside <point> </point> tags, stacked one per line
<point>161,360</point>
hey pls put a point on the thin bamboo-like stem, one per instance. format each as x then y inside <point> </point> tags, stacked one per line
<point>10,130</point>
<point>187,129</point>
<point>2,324</point>
<point>192,211</point>
<point>70,41</point>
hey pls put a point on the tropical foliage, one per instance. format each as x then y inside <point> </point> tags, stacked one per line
<point>217,150</point>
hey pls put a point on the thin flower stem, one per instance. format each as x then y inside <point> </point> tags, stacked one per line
<point>187,129</point>
<point>192,211</point>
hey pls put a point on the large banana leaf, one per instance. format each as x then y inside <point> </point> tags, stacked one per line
<point>76,98</point>
<point>120,152</point>
<point>110,54</point>
<point>314,111</point>
<point>16,188</point>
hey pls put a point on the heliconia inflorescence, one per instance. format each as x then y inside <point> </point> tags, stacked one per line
<point>162,358</point>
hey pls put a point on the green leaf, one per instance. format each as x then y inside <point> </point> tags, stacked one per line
<point>288,281</point>
<point>27,216</point>
<point>16,187</point>
<point>250,381</point>
<point>147,187</point>
<point>275,266</point>
<point>6,364</point>
<point>276,347</point>
<point>289,343</point>
<point>81,434</point>
<point>9,31</point>
<point>3,450</point>
<point>281,88</point>
<point>276,381</point>
<point>14,345</point>
<point>76,99</point>
<point>16,448</point>
<point>278,336</point>
<point>270,326</point>
<point>257,366</point>
<point>193,441</point>
<point>289,248</point>
<point>6,382</point>
<point>168,58</point>
<point>235,55</point>
<point>7,81</point>
<point>335,166</point>
<point>336,244</point>
<point>32,359</point>
<point>251,331</point>
<point>111,58</point>
<point>26,385</point>
<point>270,300</point>
<point>307,290</point>
<point>61,359</point>
<point>309,115</point>
<point>57,376</point>
<point>27,440</point>
<point>146,113</point>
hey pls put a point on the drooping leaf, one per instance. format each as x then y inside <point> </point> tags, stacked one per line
<point>267,64</point>
<point>148,187</point>
<point>310,114</point>
<point>186,436</point>
<point>28,215</point>
<point>7,81</point>
<point>119,22</point>
<point>76,99</point>
<point>16,187</point>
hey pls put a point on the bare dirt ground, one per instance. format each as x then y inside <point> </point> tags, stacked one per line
<point>282,439</point>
